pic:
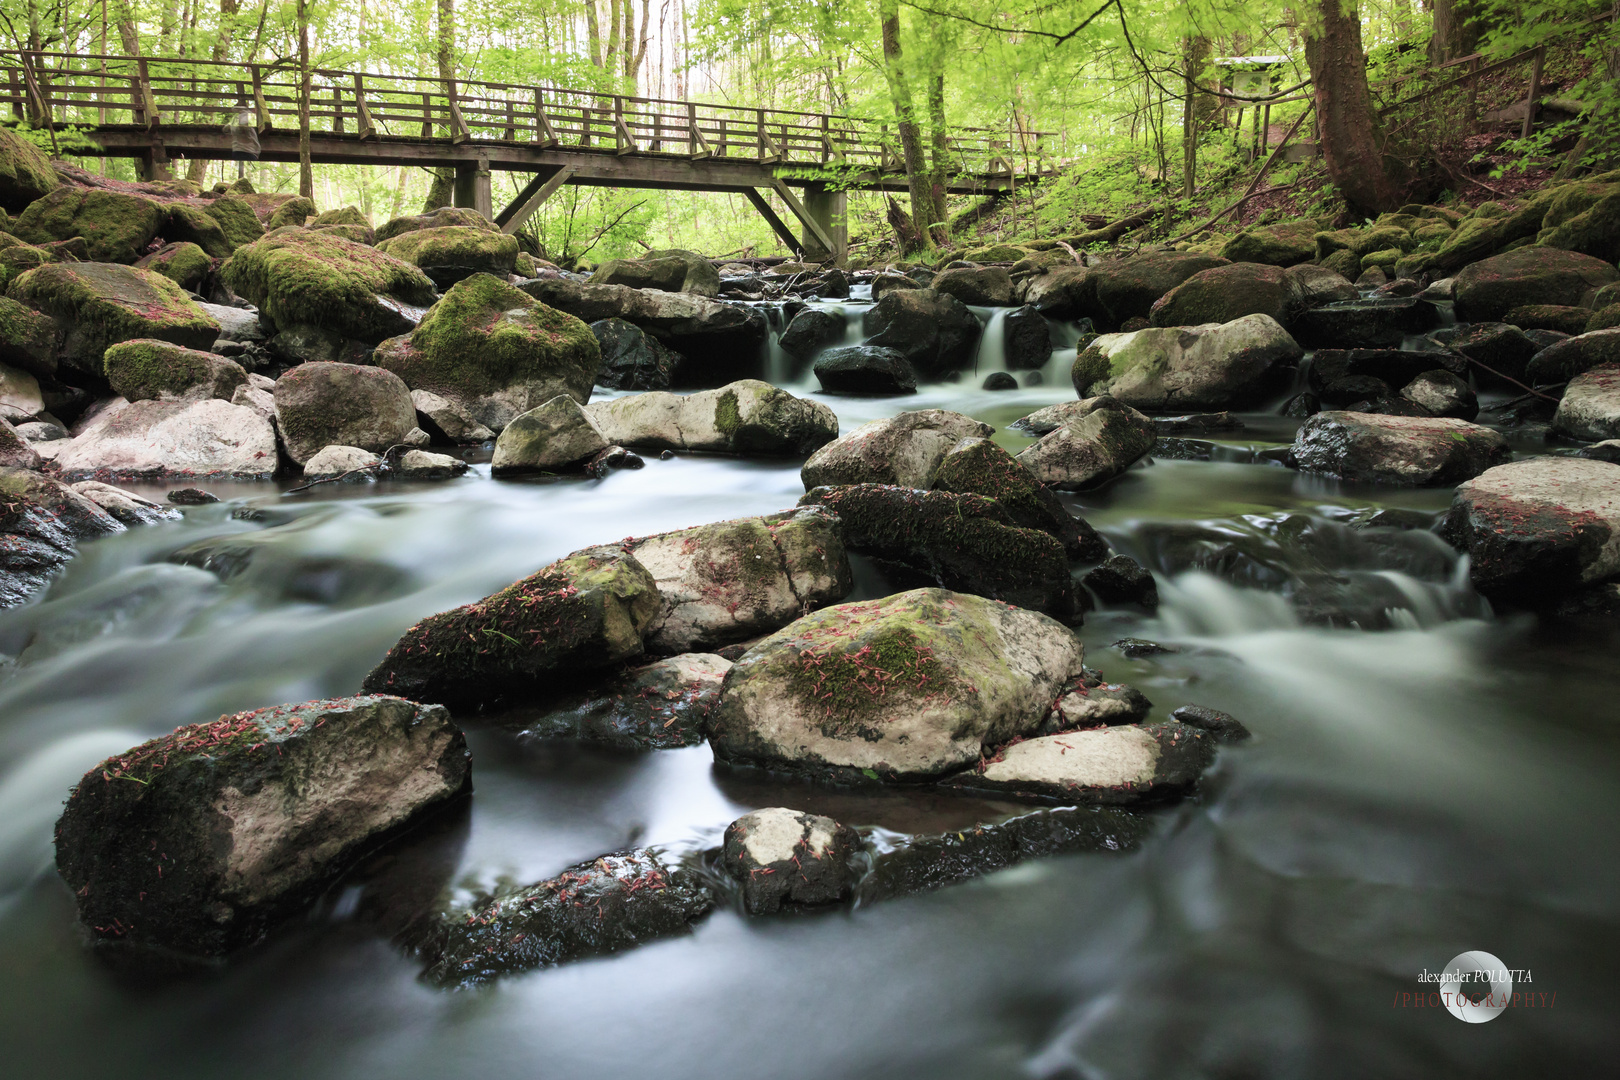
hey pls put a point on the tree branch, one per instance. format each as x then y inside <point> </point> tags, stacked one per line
<point>1057,39</point>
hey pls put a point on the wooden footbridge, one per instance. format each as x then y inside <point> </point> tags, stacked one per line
<point>155,109</point>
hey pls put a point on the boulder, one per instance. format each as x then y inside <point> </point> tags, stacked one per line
<point>42,521</point>
<point>1122,580</point>
<point>1590,407</point>
<point>780,856</point>
<point>1503,348</point>
<point>434,412</point>
<point>100,304</point>
<point>1563,360</point>
<point>238,219</point>
<point>172,440</point>
<point>1539,529</point>
<point>1476,238</point>
<point>443,217</point>
<point>1123,764</point>
<point>656,706</point>
<point>1320,285</point>
<point>1026,341</point>
<point>632,359</point>
<point>744,417</point>
<point>495,352</point>
<point>1222,294</point>
<point>27,339</point>
<point>1285,244</point>
<point>20,397</point>
<point>25,173</point>
<point>1442,393</point>
<point>349,462</point>
<point>15,453</point>
<point>194,225</point>
<point>129,508</point>
<point>450,253</point>
<point>865,369</point>
<point>1562,318</point>
<point>1063,292</point>
<point>1488,289</point>
<point>1408,451</point>
<point>556,436</point>
<point>935,332</point>
<point>1128,288</point>
<point>673,270</point>
<point>18,258</point>
<point>182,262</point>
<point>982,285</point>
<point>327,404</point>
<point>199,841</point>
<point>1098,440</point>
<point>905,449</point>
<point>303,278</point>
<point>910,687</point>
<point>977,466</point>
<point>421,465</point>
<point>581,614</point>
<point>812,330</point>
<point>115,227</point>
<point>968,543</point>
<point>1396,367</point>
<point>1169,369</point>
<point>734,580</point>
<point>1380,323</point>
<point>145,369</point>
<point>1595,231</point>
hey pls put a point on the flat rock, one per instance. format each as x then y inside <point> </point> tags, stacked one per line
<point>128,507</point>
<point>1121,764</point>
<point>1408,451</point>
<point>744,418</point>
<point>335,461</point>
<point>1590,407</point>
<point>172,440</point>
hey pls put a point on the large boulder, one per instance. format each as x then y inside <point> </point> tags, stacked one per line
<point>556,436</point>
<point>182,262</point>
<point>302,278</point>
<point>632,359</point>
<point>744,417</point>
<point>673,270</point>
<point>581,614</point>
<point>656,706</point>
<point>1286,244</point>
<point>450,253</point>
<point>1063,292</point>
<point>1173,369</point>
<point>1120,764</point>
<point>734,580</point>
<point>1128,288</point>
<point>444,216</point>
<point>982,285</point>
<point>1500,347</point>
<point>494,351</point>
<point>1026,342</point>
<point>865,369</point>
<point>1590,407</point>
<point>1490,288</point>
<point>326,404</point>
<point>1098,440</point>
<point>910,687</point>
<point>145,369</point>
<point>25,173</point>
<point>238,219</point>
<point>1563,360</point>
<point>1595,231</point>
<point>905,449</point>
<point>1319,285</point>
<point>42,521</point>
<point>101,304</point>
<point>935,332</point>
<point>977,466</point>
<point>27,338</point>
<point>18,258</point>
<point>968,543</point>
<point>1222,294</point>
<point>1410,451</point>
<point>198,841</point>
<point>194,225</point>
<point>115,227</point>
<point>172,440</point>
<point>1479,237</point>
<point>1538,529</point>
<point>812,330</point>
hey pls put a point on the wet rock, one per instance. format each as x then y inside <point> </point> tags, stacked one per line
<point>810,331</point>
<point>909,687</point>
<point>1488,289</point>
<point>967,543</point>
<point>1381,323</point>
<point>1091,703</point>
<point>1401,450</point>
<point>631,358</point>
<point>655,706</point>
<point>15,453</point>
<point>982,285</point>
<point>886,282</point>
<point>1538,529</point>
<point>1128,288</point>
<point>1319,285</point>
<point>1441,393</point>
<point>865,369</point>
<point>145,369</point>
<point>614,457</point>
<point>833,284</point>
<point>905,449</point>
<point>1395,367</point>
<point>1197,422</point>
<point>935,332</point>
<point>744,417</point>
<point>116,227</point>
<point>557,436</point>
<point>673,270</point>
<point>583,613</point>
<point>1137,648</point>
<point>236,324</point>
<point>1100,438</point>
<point>1204,367</point>
<point>129,508</point>
<point>1563,360</point>
<point>348,462</point>
<point>596,908</point>
<point>977,466</point>
<point>1607,450</point>
<point>1063,292</point>
<point>326,404</point>
<point>1223,294</point>
<point>785,857</point>
<point>1302,405</point>
<point>27,339</point>
<point>1352,388</point>
<point>422,465</point>
<point>294,345</point>
<point>1502,348</point>
<point>452,253</point>
<point>999,380</point>
<point>42,522</point>
<point>1590,407</point>
<point>168,440</point>
<point>734,580</point>
<point>192,497</point>
<point>1026,339</point>
<point>198,841</point>
<point>1123,764</point>
<point>1122,580</point>
<point>1563,318</point>
<point>1225,727</point>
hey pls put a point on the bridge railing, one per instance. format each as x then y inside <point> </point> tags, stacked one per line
<point>95,90</point>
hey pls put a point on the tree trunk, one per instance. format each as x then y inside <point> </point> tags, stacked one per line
<point>441,191</point>
<point>1350,143</point>
<point>306,172</point>
<point>1197,107</point>
<point>939,176</point>
<point>222,48</point>
<point>1456,33</point>
<point>593,31</point>
<point>911,147</point>
<point>906,232</point>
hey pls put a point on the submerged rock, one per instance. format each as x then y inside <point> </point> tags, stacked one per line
<point>1404,450</point>
<point>655,706</point>
<point>1098,440</point>
<point>1214,366</point>
<point>171,440</point>
<point>1122,764</point>
<point>786,857</point>
<point>745,417</point>
<point>905,449</point>
<point>198,841</point>
<point>1225,727</point>
<point>1122,580</point>
<point>41,523</point>
<point>865,369</point>
<point>128,507</point>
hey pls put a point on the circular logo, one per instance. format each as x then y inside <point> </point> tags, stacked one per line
<point>1479,986</point>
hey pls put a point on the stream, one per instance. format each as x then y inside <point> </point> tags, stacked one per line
<point>1427,777</point>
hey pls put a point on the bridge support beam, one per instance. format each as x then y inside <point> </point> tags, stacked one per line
<point>830,211</point>
<point>472,188</point>
<point>532,197</point>
<point>778,226</point>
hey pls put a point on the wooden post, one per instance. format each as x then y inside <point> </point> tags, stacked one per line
<point>1265,130</point>
<point>510,135</point>
<point>698,146</point>
<point>536,192</point>
<point>623,141</point>
<point>544,132</point>
<point>368,130</point>
<point>337,110</point>
<point>427,116</point>
<point>472,187</point>
<point>260,108</point>
<point>1530,101</point>
<point>17,96</point>
<point>458,129</point>
<point>1473,96</point>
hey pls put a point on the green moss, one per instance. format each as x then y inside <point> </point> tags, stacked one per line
<point>115,227</point>
<point>23,329</point>
<point>440,218</point>
<point>17,258</point>
<point>1603,318</point>
<point>344,215</point>
<point>986,469</point>
<point>25,172</point>
<point>294,211</point>
<point>185,264</point>
<point>1344,262</point>
<point>146,369</point>
<point>995,253</point>
<point>727,417</point>
<point>1385,260</point>
<point>107,304</point>
<point>195,225</point>
<point>236,219</point>
<point>462,247</point>
<point>860,686</point>
<point>359,234</point>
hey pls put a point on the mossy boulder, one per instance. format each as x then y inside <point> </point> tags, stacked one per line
<point>343,215</point>
<point>17,258</point>
<point>1344,262</point>
<point>1594,232</point>
<point>449,253</point>
<point>1563,360</point>
<point>198,841</point>
<point>25,173</point>
<point>494,351</point>
<point>1128,288</point>
<point>116,227</point>
<point>183,263</point>
<point>42,521</point>
<point>581,614</point>
<point>995,253</point>
<point>195,225</point>
<point>1487,290</point>
<point>1286,244</point>
<point>1480,237</point>
<point>27,339</point>
<point>672,270</point>
<point>1384,259</point>
<point>981,285</point>
<point>1098,439</point>
<point>1172,369</point>
<point>325,404</point>
<point>435,219</point>
<point>744,417</point>
<point>147,369</point>
<point>936,333</point>
<point>977,466</point>
<point>294,211</point>
<point>906,449</point>
<point>237,220</point>
<point>558,435</point>
<point>304,278</point>
<point>101,304</point>
<point>1564,318</point>
<point>358,234</point>
<point>1604,318</point>
<point>1570,201</point>
<point>1224,293</point>
<point>910,687</point>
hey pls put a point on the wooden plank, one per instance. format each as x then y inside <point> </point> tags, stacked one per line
<point>531,197</point>
<point>623,141</point>
<point>547,134</point>
<point>368,129</point>
<point>697,145</point>
<point>811,225</point>
<point>778,226</point>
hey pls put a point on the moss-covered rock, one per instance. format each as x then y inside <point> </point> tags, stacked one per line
<point>1566,319</point>
<point>1128,288</point>
<point>450,253</point>
<point>671,270</point>
<point>744,417</point>
<point>358,234</point>
<point>436,219</point>
<point>1224,293</point>
<point>183,263</point>
<point>101,304</point>
<point>1596,231</point>
<point>325,404</point>
<point>494,351</point>
<point>1572,200</point>
<point>237,219</point>
<point>977,466</point>
<point>1286,244</point>
<point>115,227</point>
<point>147,369</point>
<point>1604,318</point>
<point>555,436</point>
<point>1487,290</point>
<point>1098,439</point>
<point>1384,259</point>
<point>293,211</point>
<point>17,257</point>
<point>905,449</point>
<point>1343,262</point>
<point>193,224</point>
<point>1223,366</point>
<point>25,173</point>
<point>995,253</point>
<point>1480,237</point>
<point>343,215</point>
<point>580,614</point>
<point>27,338</point>
<point>304,278</point>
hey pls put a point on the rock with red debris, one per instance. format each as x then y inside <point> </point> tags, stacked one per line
<point>655,706</point>
<point>1119,764</point>
<point>785,857</point>
<point>1409,451</point>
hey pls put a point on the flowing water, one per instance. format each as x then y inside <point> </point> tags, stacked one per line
<point>1426,778</point>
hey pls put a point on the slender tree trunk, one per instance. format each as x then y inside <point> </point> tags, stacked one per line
<point>593,31</point>
<point>441,191</point>
<point>1196,107</point>
<point>1456,32</point>
<point>922,200</point>
<point>1350,146</point>
<point>222,48</point>
<point>613,35</point>
<point>939,176</point>
<point>306,172</point>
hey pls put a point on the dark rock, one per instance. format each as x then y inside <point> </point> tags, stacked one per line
<point>1442,393</point>
<point>999,380</point>
<point>1364,324</point>
<point>1033,378</point>
<point>935,332</point>
<point>192,497</point>
<point>631,358</point>
<point>42,522</point>
<point>833,284</point>
<point>1570,357</point>
<point>983,285</point>
<point>1224,293</point>
<point>1565,319</point>
<point>1607,450</point>
<point>1387,406</point>
<point>785,857</point>
<point>1136,648</point>
<point>1402,450</point>
<point>1503,348</point>
<point>810,331</point>
<point>977,466</point>
<point>1302,405</point>
<point>1122,580</point>
<point>1396,367</point>
<point>1026,339</point>
<point>614,457</point>
<point>865,369</point>
<point>1197,422</point>
<point>1128,288</point>
<point>1344,390</point>
<point>655,706</point>
<point>1488,289</point>
<point>1225,727</point>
